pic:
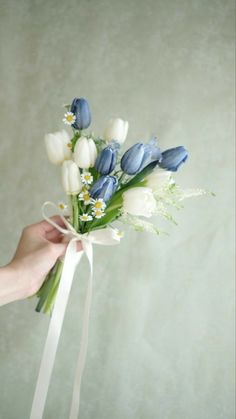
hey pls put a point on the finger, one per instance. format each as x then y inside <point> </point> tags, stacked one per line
<point>45,227</point>
<point>54,236</point>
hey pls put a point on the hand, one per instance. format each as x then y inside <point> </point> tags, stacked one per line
<point>39,247</point>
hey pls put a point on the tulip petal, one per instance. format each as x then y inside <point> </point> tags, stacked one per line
<point>173,158</point>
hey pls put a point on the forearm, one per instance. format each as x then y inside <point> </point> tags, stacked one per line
<point>11,287</point>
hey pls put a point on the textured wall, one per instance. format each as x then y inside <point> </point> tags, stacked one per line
<point>161,337</point>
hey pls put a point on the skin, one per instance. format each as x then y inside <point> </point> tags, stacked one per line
<point>39,247</point>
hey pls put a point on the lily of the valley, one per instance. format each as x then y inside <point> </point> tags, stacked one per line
<point>117,130</point>
<point>71,179</point>
<point>139,201</point>
<point>58,146</point>
<point>85,153</point>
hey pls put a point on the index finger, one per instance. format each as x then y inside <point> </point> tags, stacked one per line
<point>45,227</point>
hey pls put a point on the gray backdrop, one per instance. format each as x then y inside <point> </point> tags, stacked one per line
<point>161,336</point>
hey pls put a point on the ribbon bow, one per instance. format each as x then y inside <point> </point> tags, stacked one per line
<point>107,236</point>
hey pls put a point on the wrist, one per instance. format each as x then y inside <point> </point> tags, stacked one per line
<point>11,285</point>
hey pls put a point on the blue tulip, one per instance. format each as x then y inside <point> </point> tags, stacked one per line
<point>80,109</point>
<point>106,160</point>
<point>173,158</point>
<point>104,188</point>
<point>139,156</point>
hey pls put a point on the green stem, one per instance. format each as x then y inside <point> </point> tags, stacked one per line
<point>75,212</point>
<point>43,292</point>
<point>53,291</point>
<point>121,177</point>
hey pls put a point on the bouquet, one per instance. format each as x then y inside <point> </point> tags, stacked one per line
<point>104,184</point>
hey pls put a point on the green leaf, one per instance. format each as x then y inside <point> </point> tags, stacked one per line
<point>140,176</point>
<point>107,219</point>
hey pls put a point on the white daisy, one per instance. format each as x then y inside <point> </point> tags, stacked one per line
<point>87,178</point>
<point>69,118</point>
<point>84,196</point>
<point>62,206</point>
<point>97,213</point>
<point>98,204</point>
<point>86,217</point>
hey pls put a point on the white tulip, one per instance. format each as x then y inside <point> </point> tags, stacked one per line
<point>71,179</point>
<point>57,146</point>
<point>139,201</point>
<point>158,179</point>
<point>85,153</point>
<point>117,130</point>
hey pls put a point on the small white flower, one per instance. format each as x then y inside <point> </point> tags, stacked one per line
<point>84,196</point>
<point>97,213</point>
<point>87,178</point>
<point>86,217</point>
<point>98,204</point>
<point>69,118</point>
<point>62,206</point>
<point>118,233</point>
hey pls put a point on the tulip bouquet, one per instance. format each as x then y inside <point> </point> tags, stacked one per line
<point>105,184</point>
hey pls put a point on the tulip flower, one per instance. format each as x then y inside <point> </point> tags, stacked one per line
<point>139,156</point>
<point>158,179</point>
<point>117,130</point>
<point>173,158</point>
<point>71,179</point>
<point>139,201</point>
<point>85,153</point>
<point>106,160</point>
<point>80,108</point>
<point>57,146</point>
<point>104,188</point>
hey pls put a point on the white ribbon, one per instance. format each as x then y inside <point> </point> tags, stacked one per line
<point>106,236</point>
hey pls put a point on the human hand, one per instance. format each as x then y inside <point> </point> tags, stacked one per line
<point>39,247</point>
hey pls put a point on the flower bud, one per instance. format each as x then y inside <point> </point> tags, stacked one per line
<point>85,153</point>
<point>139,201</point>
<point>71,179</point>
<point>139,156</point>
<point>106,160</point>
<point>80,108</point>
<point>158,179</point>
<point>57,146</point>
<point>117,130</point>
<point>173,158</point>
<point>104,188</point>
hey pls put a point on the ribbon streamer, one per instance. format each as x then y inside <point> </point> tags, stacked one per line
<point>107,236</point>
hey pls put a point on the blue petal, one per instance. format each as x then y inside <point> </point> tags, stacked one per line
<point>173,158</point>
<point>106,160</point>
<point>80,109</point>
<point>132,159</point>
